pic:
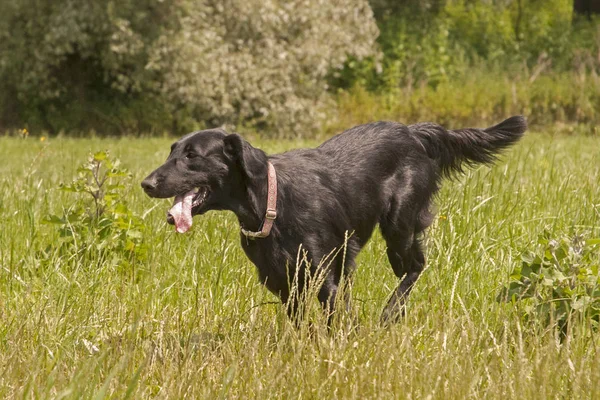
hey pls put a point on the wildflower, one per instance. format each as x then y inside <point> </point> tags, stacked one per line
<point>43,139</point>
<point>23,132</point>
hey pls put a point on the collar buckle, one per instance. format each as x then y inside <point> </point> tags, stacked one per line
<point>271,214</point>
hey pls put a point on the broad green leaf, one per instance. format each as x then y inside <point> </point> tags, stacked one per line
<point>100,156</point>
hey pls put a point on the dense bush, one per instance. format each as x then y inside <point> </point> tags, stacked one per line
<point>470,62</point>
<point>260,62</point>
<point>131,65</point>
<point>446,40</point>
<point>178,65</point>
<point>78,65</point>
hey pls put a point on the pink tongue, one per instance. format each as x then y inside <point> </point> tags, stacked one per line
<point>182,212</point>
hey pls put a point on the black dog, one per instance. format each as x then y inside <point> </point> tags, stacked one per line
<point>381,172</point>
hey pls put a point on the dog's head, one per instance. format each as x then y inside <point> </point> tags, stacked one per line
<point>206,170</point>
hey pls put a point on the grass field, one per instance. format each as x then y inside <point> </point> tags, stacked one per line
<point>193,321</point>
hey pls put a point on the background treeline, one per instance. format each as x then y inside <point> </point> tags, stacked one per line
<point>471,62</point>
<point>294,67</point>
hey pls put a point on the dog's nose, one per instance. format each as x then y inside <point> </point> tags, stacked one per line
<point>149,184</point>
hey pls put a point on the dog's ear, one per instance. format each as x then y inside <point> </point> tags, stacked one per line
<point>251,161</point>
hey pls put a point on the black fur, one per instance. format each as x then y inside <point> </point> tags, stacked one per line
<point>380,173</point>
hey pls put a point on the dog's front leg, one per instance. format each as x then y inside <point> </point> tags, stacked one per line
<point>327,297</point>
<point>293,306</point>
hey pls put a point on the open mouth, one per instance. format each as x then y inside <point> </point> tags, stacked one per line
<point>183,208</point>
<point>200,197</point>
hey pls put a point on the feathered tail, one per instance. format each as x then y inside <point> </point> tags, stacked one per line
<point>455,148</point>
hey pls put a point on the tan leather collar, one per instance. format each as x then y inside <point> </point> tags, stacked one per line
<point>271,213</point>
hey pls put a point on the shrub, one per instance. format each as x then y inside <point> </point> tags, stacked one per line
<point>560,282</point>
<point>175,65</point>
<point>432,42</point>
<point>99,221</point>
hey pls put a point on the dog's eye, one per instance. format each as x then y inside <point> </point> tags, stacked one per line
<point>191,155</point>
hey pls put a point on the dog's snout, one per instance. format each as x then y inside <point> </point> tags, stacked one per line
<point>157,186</point>
<point>149,184</point>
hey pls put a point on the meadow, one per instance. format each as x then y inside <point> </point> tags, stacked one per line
<point>191,319</point>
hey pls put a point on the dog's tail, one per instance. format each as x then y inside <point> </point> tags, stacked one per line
<point>457,148</point>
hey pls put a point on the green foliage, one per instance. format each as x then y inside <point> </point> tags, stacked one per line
<point>272,66</point>
<point>415,48</point>
<point>99,219</point>
<point>80,65</point>
<point>451,61</point>
<point>260,63</point>
<point>174,65</point>
<point>560,281</point>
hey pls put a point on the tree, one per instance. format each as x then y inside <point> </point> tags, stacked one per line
<point>73,64</point>
<point>260,62</point>
<point>174,64</point>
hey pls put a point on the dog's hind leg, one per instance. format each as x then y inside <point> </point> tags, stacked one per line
<point>410,267</point>
<point>406,256</point>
